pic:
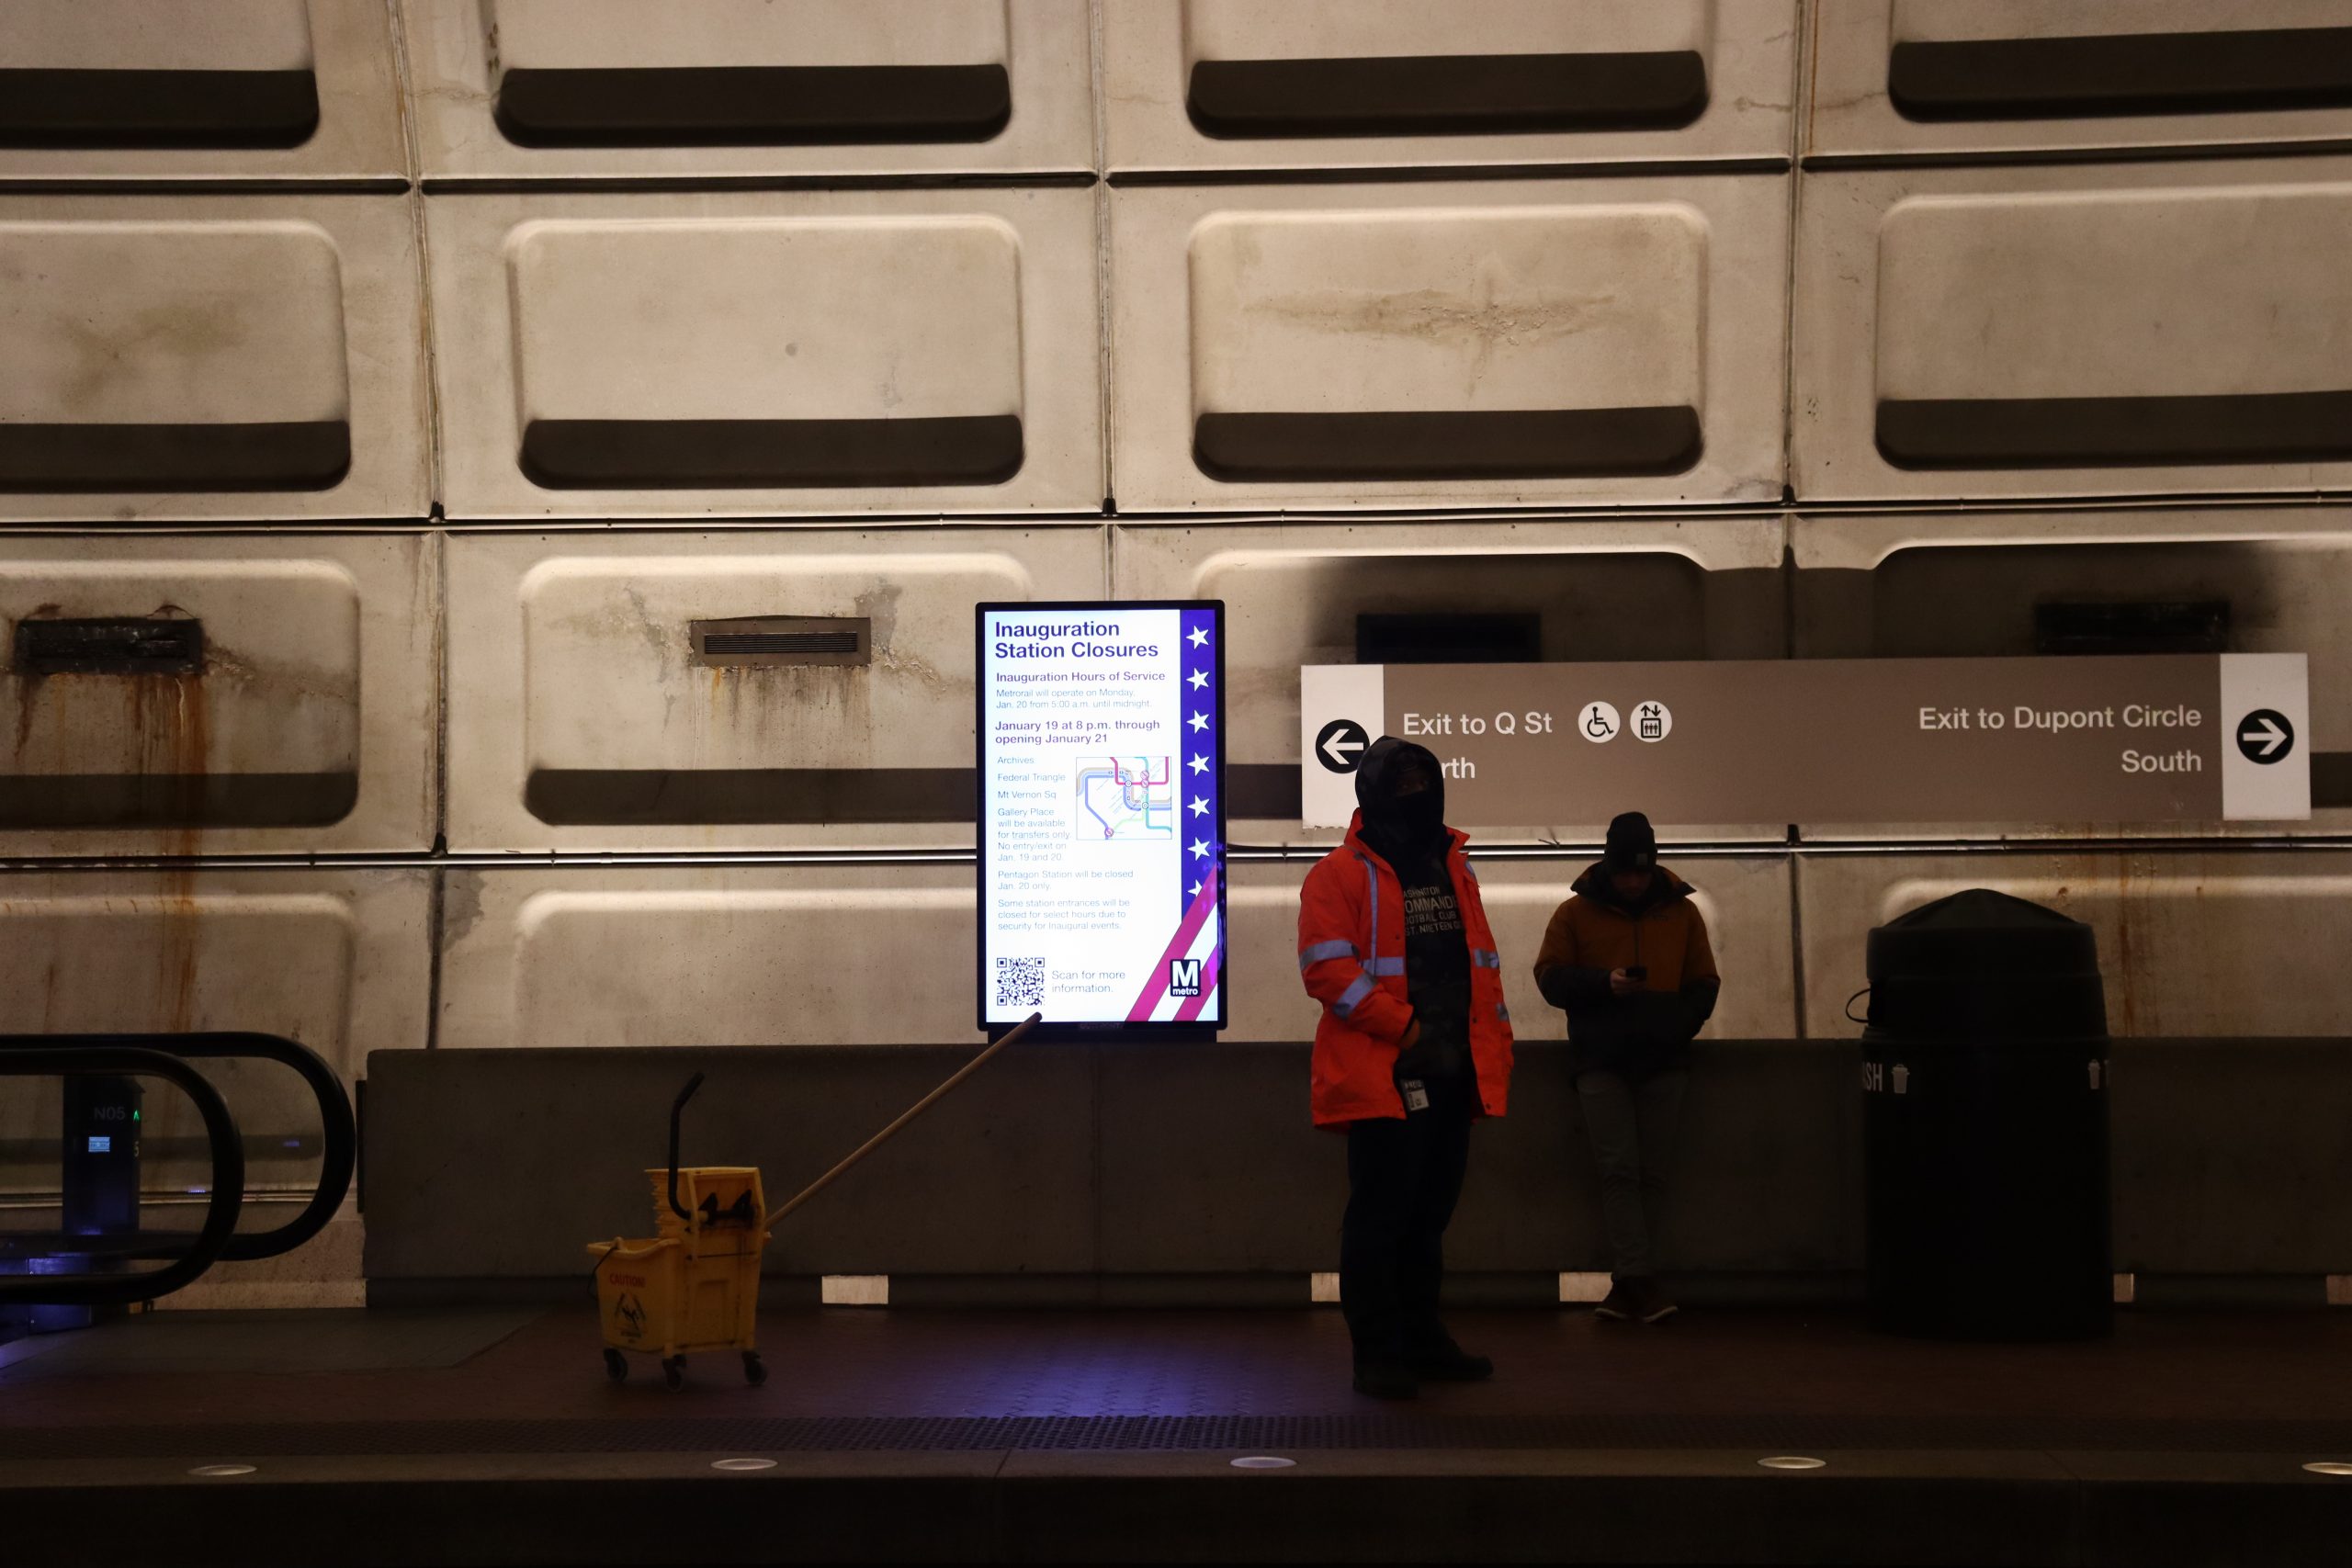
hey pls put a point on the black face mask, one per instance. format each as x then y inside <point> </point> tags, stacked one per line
<point>1410,824</point>
<point>1420,817</point>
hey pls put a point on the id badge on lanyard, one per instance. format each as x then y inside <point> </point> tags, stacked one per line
<point>1417,1094</point>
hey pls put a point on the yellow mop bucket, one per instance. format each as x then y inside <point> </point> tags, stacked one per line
<point>696,1286</point>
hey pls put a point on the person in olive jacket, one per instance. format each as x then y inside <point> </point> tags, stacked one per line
<point>1626,956</point>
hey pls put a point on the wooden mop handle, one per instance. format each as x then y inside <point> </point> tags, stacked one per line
<point>919,1106</point>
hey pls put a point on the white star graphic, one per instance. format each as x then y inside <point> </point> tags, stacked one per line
<point>1200,846</point>
<point>1199,722</point>
<point>1200,764</point>
<point>1200,637</point>
<point>1194,891</point>
<point>1200,805</point>
<point>1199,678</point>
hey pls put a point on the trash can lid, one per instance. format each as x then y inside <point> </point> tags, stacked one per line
<point>1980,930</point>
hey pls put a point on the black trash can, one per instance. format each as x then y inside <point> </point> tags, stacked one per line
<point>1985,1124</point>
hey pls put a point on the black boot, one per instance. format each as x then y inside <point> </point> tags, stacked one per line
<point>1388,1380</point>
<point>1449,1362</point>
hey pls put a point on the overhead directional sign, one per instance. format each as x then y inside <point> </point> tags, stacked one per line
<point>2163,738</point>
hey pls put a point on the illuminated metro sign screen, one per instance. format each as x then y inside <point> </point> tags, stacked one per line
<point>1100,728</point>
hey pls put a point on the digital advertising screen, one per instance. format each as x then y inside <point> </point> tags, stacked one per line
<point>1101,729</point>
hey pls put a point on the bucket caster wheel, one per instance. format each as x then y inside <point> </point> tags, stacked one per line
<point>755,1373</point>
<point>674,1372</point>
<point>617,1366</point>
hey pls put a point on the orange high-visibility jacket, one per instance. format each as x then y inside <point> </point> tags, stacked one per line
<point>1352,955</point>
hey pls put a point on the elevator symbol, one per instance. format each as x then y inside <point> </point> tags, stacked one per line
<point>1652,721</point>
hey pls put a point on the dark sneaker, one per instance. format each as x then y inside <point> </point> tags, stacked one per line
<point>1388,1380</point>
<point>1451,1363</point>
<point>1618,1305</point>
<point>1652,1304</point>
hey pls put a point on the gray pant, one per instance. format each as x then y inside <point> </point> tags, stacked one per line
<point>1631,1126</point>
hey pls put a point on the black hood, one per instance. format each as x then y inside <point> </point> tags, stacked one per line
<point>1393,831</point>
<point>1383,760</point>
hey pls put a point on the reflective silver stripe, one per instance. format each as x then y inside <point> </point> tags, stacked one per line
<point>1358,989</point>
<point>1378,966</point>
<point>1317,951</point>
<point>1485,958</point>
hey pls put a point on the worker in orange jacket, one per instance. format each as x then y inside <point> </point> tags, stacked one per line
<point>1413,1046</point>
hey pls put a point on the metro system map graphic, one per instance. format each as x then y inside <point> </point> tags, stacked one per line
<point>1125,797</point>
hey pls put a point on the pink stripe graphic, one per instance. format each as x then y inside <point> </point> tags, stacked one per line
<point>1155,984</point>
<point>1190,1007</point>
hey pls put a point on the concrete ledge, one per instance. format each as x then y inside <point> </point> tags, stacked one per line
<point>1136,1163</point>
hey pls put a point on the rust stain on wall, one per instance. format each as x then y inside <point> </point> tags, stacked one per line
<point>162,730</point>
<point>2126,1018</point>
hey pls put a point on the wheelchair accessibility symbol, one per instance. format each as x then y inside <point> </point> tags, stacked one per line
<point>1597,722</point>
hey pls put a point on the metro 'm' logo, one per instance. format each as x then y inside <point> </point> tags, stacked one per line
<point>1184,976</point>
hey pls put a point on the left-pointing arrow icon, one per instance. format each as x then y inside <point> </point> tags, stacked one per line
<point>1340,745</point>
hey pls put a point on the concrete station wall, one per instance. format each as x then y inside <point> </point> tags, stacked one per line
<point>447,362</point>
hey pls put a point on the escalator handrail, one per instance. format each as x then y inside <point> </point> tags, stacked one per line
<point>210,1243</point>
<point>338,1143</point>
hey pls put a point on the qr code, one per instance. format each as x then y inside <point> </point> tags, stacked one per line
<point>1020,982</point>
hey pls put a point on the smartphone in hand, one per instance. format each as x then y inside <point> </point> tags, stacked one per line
<point>1637,971</point>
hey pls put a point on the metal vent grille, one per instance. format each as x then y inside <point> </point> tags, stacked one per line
<point>124,645</point>
<point>784,640</point>
<point>719,643</point>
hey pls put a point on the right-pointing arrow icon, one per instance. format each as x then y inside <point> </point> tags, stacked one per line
<point>2266,736</point>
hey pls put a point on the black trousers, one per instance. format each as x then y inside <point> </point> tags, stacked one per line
<point>1403,1180</point>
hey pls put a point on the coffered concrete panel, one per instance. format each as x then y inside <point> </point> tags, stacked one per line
<point>2019,78</point>
<point>1515,344</point>
<point>338,959</point>
<point>615,88</point>
<point>1745,902</point>
<point>231,357</point>
<point>673,355</point>
<point>2189,943</point>
<point>2099,329</point>
<point>218,693</point>
<point>1311,591</point>
<point>753,690</point>
<point>198,90</point>
<point>1200,85</point>
<point>705,955</point>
